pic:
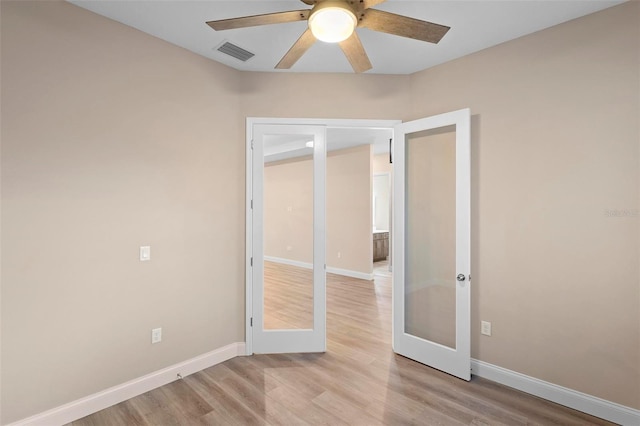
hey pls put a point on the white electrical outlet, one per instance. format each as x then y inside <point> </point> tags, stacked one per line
<point>485,328</point>
<point>145,253</point>
<point>339,255</point>
<point>156,335</point>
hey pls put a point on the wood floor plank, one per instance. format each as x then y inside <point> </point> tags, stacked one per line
<point>258,401</point>
<point>290,375</point>
<point>225,407</point>
<point>343,409</point>
<point>358,381</point>
<point>304,408</point>
<point>157,408</point>
<point>186,400</point>
<point>252,374</point>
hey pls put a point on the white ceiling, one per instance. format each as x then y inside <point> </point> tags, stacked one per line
<point>475,25</point>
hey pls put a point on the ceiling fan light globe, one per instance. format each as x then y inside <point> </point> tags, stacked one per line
<point>332,24</point>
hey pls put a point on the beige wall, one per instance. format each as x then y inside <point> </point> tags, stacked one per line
<point>112,139</point>
<point>349,209</point>
<point>291,95</point>
<point>554,146</point>
<point>288,209</point>
<point>288,204</point>
<point>381,164</point>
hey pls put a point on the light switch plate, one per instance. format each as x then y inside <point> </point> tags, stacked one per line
<point>156,335</point>
<point>485,328</point>
<point>145,253</point>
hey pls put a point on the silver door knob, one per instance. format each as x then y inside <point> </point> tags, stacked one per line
<point>460,277</point>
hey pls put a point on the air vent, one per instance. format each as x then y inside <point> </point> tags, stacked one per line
<point>235,51</point>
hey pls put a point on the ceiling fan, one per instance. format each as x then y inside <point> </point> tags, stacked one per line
<point>334,21</point>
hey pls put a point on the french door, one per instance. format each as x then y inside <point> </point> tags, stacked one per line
<point>288,238</point>
<point>431,242</point>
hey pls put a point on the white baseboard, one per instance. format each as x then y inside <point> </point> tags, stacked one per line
<point>284,261</point>
<point>570,398</point>
<point>348,273</point>
<point>332,270</point>
<point>99,401</point>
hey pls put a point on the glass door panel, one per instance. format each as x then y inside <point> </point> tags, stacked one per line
<point>288,231</point>
<point>430,229</point>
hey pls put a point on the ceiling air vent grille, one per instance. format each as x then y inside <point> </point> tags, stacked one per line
<point>235,51</point>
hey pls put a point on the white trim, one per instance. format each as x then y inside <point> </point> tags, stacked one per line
<point>290,262</point>
<point>349,273</point>
<point>330,269</point>
<point>248,267</point>
<point>330,122</point>
<point>560,395</point>
<point>82,407</point>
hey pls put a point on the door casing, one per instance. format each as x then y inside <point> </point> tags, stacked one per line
<point>250,122</point>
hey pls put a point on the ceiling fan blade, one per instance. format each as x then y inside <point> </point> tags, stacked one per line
<point>298,49</point>
<point>403,26</point>
<point>254,21</point>
<point>309,2</point>
<point>371,3</point>
<point>354,51</point>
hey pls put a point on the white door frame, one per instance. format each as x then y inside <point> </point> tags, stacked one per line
<point>250,122</point>
<point>291,340</point>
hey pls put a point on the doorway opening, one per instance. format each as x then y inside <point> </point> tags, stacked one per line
<point>331,197</point>
<point>286,174</point>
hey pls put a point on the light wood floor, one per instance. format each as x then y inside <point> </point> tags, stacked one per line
<point>358,381</point>
<point>288,297</point>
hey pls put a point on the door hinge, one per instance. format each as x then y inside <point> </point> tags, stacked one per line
<point>251,261</point>
<point>251,143</point>
<point>251,322</point>
<point>251,204</point>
